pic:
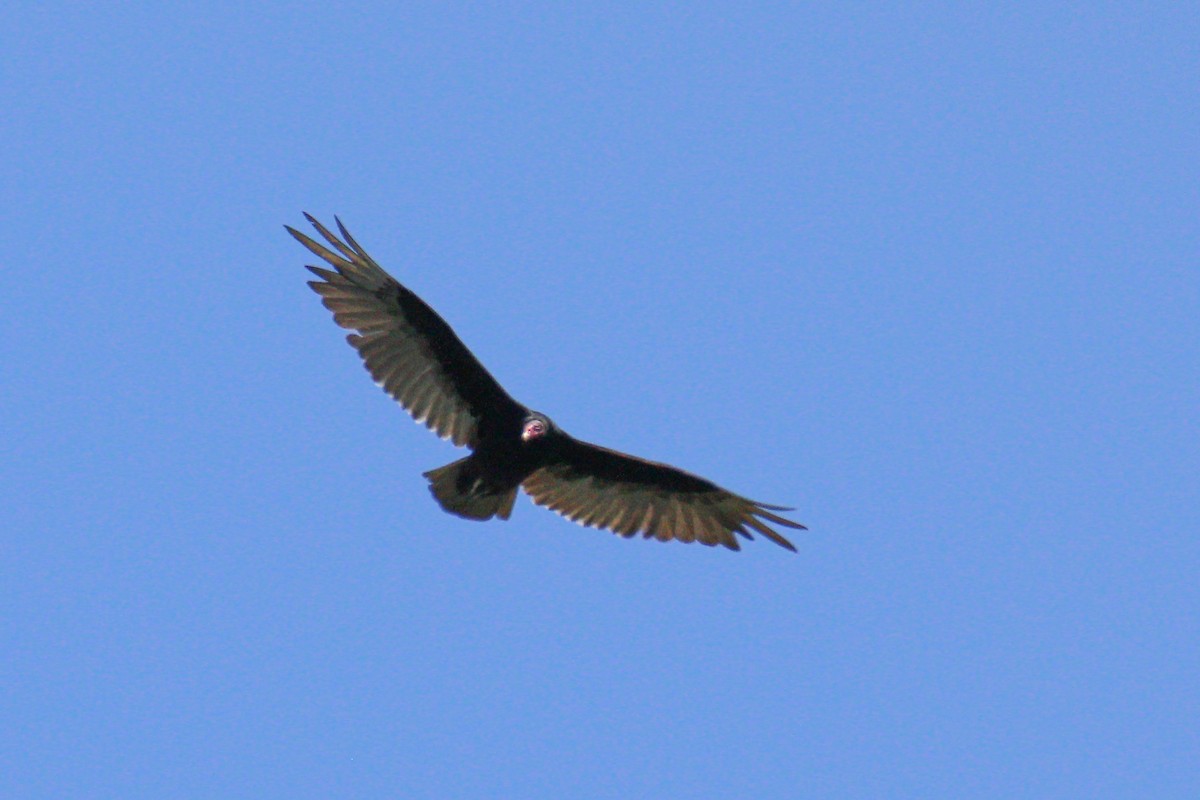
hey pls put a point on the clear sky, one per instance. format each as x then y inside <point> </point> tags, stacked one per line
<point>929,275</point>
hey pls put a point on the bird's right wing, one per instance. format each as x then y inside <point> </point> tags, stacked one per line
<point>409,350</point>
<point>603,488</point>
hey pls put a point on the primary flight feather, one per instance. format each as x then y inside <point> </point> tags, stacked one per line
<point>416,358</point>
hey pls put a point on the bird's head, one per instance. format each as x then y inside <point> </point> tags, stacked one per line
<point>535,426</point>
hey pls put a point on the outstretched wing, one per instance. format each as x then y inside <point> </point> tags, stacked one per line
<point>409,350</point>
<point>602,488</point>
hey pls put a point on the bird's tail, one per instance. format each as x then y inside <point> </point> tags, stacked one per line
<point>461,490</point>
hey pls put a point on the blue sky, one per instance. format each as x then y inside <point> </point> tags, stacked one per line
<point>928,275</point>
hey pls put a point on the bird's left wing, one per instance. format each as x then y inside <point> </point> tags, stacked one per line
<point>409,350</point>
<point>602,488</point>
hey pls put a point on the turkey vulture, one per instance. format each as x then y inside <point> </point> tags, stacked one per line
<point>416,358</point>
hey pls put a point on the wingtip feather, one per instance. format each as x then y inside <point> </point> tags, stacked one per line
<point>349,239</point>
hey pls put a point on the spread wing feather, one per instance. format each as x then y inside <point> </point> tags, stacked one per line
<point>409,350</point>
<point>602,488</point>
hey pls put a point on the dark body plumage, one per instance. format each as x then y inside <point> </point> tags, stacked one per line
<point>417,359</point>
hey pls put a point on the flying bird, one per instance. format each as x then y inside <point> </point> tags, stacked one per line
<point>416,358</point>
